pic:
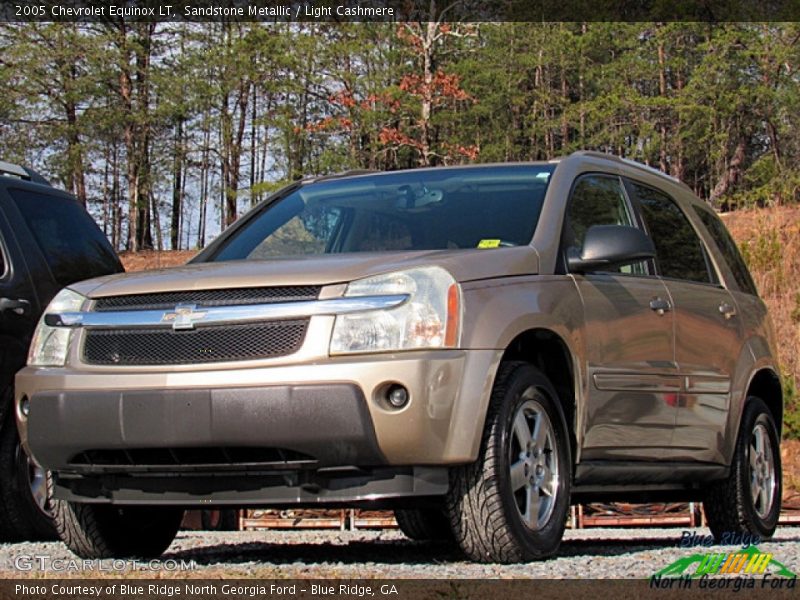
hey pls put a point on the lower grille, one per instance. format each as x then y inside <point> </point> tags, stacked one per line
<point>192,457</point>
<point>224,343</point>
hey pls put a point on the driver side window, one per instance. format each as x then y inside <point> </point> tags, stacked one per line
<point>598,200</point>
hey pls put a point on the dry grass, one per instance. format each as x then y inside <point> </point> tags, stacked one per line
<point>790,459</point>
<point>770,240</point>
<point>142,261</point>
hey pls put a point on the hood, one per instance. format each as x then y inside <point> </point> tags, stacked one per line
<point>464,265</point>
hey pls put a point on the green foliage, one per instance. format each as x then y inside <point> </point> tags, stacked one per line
<point>795,314</point>
<point>791,403</point>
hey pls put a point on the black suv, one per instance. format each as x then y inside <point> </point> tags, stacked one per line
<point>47,241</point>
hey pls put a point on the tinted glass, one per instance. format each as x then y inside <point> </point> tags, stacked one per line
<point>73,245</point>
<point>2,259</point>
<point>679,252</point>
<point>597,200</point>
<point>435,209</point>
<point>728,249</point>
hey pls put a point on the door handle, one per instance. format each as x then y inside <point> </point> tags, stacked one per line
<point>727,310</point>
<point>660,306</point>
<point>20,307</point>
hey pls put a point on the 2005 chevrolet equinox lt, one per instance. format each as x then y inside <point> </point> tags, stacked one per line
<point>475,347</point>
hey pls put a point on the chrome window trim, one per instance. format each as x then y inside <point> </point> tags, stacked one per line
<point>216,315</point>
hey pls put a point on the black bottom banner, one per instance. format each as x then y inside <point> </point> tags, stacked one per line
<point>388,589</point>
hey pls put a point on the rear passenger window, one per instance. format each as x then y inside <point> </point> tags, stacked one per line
<point>71,242</point>
<point>728,249</point>
<point>679,251</point>
<point>598,200</point>
<point>2,260</point>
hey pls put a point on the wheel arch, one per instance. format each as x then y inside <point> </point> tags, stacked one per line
<point>550,354</point>
<point>765,383</point>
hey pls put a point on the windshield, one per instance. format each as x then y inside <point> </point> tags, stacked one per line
<point>432,209</point>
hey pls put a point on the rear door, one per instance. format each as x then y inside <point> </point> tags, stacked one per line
<point>632,377</point>
<point>707,328</point>
<point>18,306</point>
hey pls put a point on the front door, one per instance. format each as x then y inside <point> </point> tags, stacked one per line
<point>632,379</point>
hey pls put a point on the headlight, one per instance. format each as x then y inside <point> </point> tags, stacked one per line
<point>430,318</point>
<point>50,344</point>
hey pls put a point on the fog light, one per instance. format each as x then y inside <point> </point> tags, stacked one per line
<point>397,396</point>
<point>25,407</point>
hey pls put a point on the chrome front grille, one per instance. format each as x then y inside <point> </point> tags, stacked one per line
<point>153,344</point>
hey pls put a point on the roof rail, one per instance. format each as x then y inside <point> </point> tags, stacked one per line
<point>7,168</point>
<point>630,162</point>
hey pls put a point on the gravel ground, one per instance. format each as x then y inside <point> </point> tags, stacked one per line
<point>588,553</point>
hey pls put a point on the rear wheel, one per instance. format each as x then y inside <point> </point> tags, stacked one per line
<point>24,491</point>
<point>108,531</point>
<point>424,524</point>
<point>749,500</point>
<point>511,504</point>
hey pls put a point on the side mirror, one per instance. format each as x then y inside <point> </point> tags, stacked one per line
<point>607,246</point>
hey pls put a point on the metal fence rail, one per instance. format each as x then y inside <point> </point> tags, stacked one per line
<point>581,516</point>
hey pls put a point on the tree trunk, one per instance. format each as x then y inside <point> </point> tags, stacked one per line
<point>116,211</point>
<point>75,154</point>
<point>125,90</point>
<point>731,175</point>
<point>145,198</point>
<point>662,88</point>
<point>177,187</point>
<point>426,105</point>
<point>205,168</point>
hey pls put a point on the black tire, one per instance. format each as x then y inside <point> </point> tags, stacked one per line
<point>23,518</point>
<point>485,512</point>
<point>424,524</point>
<point>108,531</point>
<point>729,505</point>
<point>219,520</point>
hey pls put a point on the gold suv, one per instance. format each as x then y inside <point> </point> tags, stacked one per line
<point>475,347</point>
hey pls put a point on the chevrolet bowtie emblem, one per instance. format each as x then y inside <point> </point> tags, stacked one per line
<point>184,316</point>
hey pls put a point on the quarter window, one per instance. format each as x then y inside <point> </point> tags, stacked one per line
<point>728,248</point>
<point>679,251</point>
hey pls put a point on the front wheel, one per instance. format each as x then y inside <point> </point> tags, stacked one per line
<point>107,531</point>
<point>749,500</point>
<point>511,504</point>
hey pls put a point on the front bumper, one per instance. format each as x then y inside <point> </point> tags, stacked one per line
<point>124,431</point>
<point>329,410</point>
